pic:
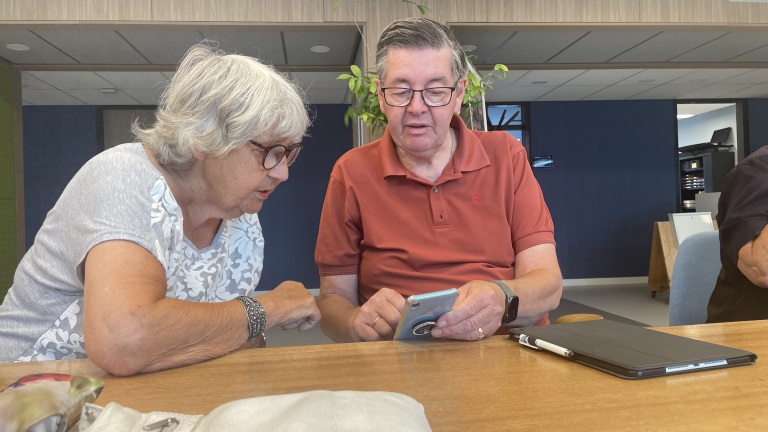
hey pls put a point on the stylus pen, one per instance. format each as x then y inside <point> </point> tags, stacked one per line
<point>542,344</point>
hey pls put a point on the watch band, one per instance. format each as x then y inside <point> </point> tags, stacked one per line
<point>512,302</point>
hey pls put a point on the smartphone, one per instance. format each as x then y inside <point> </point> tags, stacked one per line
<point>421,312</point>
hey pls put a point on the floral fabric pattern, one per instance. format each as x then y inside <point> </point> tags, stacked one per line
<point>230,267</point>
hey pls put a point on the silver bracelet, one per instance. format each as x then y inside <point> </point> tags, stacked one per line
<point>257,320</point>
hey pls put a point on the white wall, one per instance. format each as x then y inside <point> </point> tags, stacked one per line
<point>698,129</point>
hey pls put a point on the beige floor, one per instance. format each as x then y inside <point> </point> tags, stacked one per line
<point>631,301</point>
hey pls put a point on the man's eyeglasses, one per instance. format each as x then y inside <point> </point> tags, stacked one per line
<point>434,96</point>
<point>275,154</point>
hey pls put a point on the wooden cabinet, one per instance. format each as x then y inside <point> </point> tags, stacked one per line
<point>702,172</point>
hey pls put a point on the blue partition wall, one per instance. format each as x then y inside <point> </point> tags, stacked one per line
<point>757,124</point>
<point>58,140</point>
<point>291,216</point>
<point>614,174</point>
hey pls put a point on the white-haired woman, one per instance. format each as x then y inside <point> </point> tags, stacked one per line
<point>150,257</point>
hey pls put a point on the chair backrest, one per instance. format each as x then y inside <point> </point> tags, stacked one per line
<point>693,278</point>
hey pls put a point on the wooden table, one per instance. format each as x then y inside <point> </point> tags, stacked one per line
<point>491,385</point>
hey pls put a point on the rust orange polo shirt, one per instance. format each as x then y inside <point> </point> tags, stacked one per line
<point>399,231</point>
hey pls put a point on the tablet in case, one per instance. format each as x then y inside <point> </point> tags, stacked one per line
<point>629,351</point>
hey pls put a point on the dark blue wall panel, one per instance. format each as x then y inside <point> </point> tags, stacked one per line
<point>614,174</point>
<point>757,126</point>
<point>290,218</point>
<point>58,140</point>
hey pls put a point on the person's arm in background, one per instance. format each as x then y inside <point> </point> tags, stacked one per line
<point>538,283</point>
<point>344,320</point>
<point>130,326</point>
<point>753,259</point>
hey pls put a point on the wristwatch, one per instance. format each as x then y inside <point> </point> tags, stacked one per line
<point>512,303</point>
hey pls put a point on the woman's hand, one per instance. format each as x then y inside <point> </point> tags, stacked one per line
<point>290,306</point>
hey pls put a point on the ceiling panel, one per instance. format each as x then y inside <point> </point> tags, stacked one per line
<point>486,41</point>
<point>162,45</point>
<point>96,97</point>
<point>71,80</point>
<point>754,76</point>
<point>518,93</point>
<point>48,97</point>
<point>757,55</point>
<point>656,76</point>
<point>714,91</point>
<point>603,76</point>
<point>340,41</point>
<point>532,46</point>
<point>668,91</point>
<point>709,76</point>
<point>92,45</point>
<point>570,92</point>
<point>756,91</point>
<point>28,81</point>
<point>40,52</point>
<point>725,48</point>
<point>602,45</point>
<point>264,43</point>
<point>619,92</point>
<point>145,96</point>
<point>668,45</point>
<point>548,77</point>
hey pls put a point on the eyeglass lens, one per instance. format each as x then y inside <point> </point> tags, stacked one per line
<point>437,96</point>
<point>276,154</point>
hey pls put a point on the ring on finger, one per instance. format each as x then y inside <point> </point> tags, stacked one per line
<point>481,335</point>
<point>375,321</point>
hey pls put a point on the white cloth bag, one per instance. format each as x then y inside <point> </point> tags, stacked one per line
<point>318,410</point>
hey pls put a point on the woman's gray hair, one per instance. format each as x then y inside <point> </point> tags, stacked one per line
<point>419,33</point>
<point>216,102</point>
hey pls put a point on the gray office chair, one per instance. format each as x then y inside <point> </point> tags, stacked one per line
<point>693,278</point>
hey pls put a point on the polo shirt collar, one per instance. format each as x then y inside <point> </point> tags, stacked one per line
<point>469,155</point>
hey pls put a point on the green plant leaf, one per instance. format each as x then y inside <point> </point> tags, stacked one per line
<point>344,76</point>
<point>356,71</point>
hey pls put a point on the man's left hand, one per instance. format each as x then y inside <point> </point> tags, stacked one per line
<point>477,312</point>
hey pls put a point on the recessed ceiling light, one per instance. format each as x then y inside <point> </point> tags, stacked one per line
<point>320,49</point>
<point>17,47</point>
<point>109,90</point>
<point>539,82</point>
<point>646,81</point>
<point>684,116</point>
<point>468,48</point>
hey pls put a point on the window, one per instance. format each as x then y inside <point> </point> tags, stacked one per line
<point>510,118</point>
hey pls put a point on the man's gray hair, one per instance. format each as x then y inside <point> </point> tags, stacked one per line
<point>216,102</point>
<point>419,33</point>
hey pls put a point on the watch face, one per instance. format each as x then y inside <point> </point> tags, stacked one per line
<point>514,304</point>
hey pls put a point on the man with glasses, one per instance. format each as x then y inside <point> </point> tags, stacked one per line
<point>433,205</point>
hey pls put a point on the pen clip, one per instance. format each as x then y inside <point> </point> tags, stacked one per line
<point>523,339</point>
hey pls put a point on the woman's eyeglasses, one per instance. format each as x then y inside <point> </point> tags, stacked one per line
<point>275,154</point>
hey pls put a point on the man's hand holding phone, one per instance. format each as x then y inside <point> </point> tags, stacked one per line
<point>377,319</point>
<point>480,306</point>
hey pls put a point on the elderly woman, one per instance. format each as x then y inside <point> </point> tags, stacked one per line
<point>150,257</point>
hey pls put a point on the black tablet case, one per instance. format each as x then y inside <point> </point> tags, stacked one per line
<point>634,352</point>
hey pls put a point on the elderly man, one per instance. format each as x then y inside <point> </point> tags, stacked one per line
<point>741,293</point>
<point>433,205</point>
